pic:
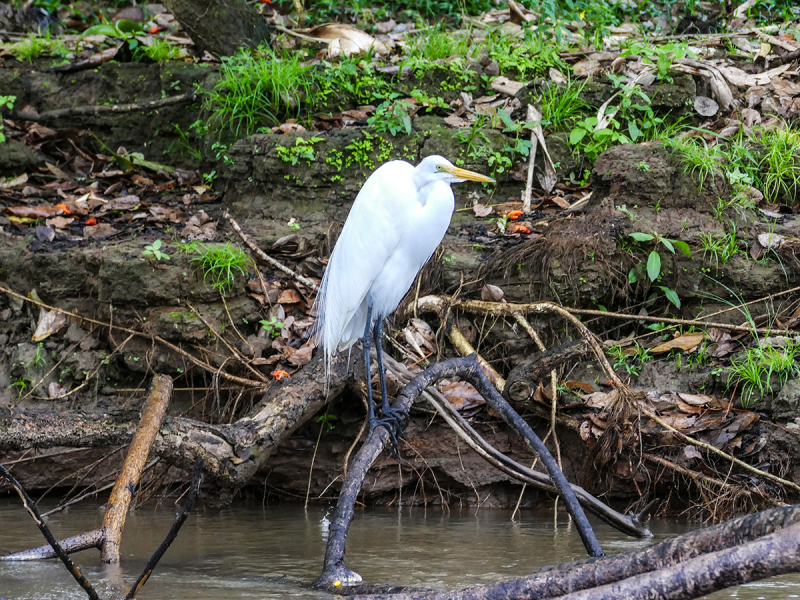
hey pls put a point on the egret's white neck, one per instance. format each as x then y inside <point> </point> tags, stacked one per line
<point>424,182</point>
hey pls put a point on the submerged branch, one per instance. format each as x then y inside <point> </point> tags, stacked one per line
<point>676,558</point>
<point>30,506</point>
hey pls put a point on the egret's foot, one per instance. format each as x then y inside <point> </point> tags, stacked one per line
<point>392,420</point>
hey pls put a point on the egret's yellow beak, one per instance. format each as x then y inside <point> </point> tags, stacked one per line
<point>469,175</point>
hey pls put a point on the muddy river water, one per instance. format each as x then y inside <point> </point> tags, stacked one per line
<point>272,552</point>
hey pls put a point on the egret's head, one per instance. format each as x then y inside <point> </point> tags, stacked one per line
<point>438,168</point>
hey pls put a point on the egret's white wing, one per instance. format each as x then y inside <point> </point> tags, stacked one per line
<point>375,225</point>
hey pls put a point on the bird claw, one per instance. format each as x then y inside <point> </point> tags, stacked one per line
<point>391,420</point>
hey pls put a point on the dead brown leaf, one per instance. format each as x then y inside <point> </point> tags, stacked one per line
<point>686,342</point>
<point>462,396</point>
<point>49,323</point>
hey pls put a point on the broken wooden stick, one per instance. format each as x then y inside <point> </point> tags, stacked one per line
<point>122,494</point>
<point>266,258</point>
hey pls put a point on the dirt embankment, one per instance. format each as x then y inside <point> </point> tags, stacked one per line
<point>292,209</point>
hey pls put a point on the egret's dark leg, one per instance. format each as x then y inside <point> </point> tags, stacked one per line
<point>391,418</point>
<point>365,343</point>
<point>386,410</point>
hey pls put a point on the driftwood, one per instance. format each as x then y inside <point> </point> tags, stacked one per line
<point>745,549</point>
<point>61,552</point>
<point>108,537</point>
<point>335,573</point>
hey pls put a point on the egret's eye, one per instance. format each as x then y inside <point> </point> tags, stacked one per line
<point>439,167</point>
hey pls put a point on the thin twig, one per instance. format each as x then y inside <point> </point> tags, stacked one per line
<point>509,309</point>
<point>196,361</point>
<point>266,258</point>
<point>173,532</point>
<point>526,198</point>
<point>311,468</point>
<point>701,479</point>
<point>228,345</point>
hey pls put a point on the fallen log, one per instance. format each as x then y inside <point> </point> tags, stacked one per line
<point>668,569</point>
<point>233,452</point>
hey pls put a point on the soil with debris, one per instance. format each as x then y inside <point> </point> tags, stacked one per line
<point>123,221</point>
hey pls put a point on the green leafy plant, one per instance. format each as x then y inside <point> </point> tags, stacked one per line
<point>303,149</point>
<point>530,57</point>
<point>437,43</point>
<point>562,105</point>
<point>661,57</point>
<point>429,102</point>
<point>272,326</point>
<point>326,421</point>
<point>124,30</point>
<point>392,116</point>
<point>154,251</point>
<point>256,89</point>
<point>21,385</point>
<point>220,263</point>
<point>653,265</point>
<point>752,370</point>
<point>633,358</point>
<point>721,247</point>
<point>5,102</point>
<point>351,77</point>
<point>160,51</point>
<point>781,162</point>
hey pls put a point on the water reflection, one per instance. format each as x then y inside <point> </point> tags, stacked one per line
<point>269,553</point>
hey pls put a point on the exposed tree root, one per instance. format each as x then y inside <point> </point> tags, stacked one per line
<point>626,403</point>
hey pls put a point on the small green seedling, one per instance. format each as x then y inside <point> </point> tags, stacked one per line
<point>272,326</point>
<point>154,251</point>
<point>7,102</point>
<point>653,265</point>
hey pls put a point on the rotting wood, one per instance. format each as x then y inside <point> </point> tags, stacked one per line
<point>122,494</point>
<point>233,452</point>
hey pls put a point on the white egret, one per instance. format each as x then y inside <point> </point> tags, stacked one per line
<point>397,221</point>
